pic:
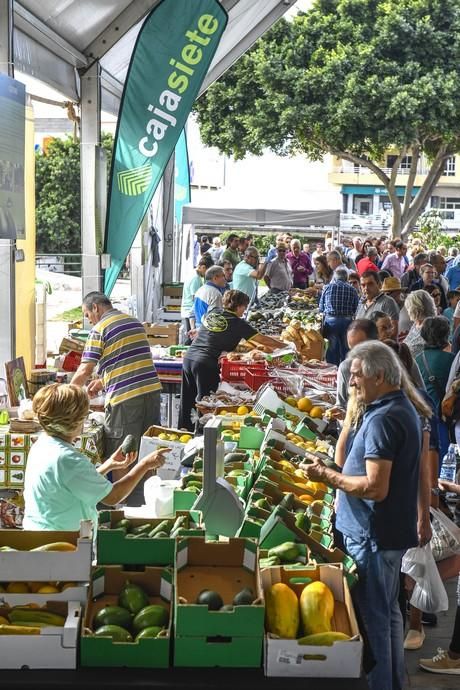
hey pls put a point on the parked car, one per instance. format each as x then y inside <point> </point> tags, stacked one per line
<point>372,223</point>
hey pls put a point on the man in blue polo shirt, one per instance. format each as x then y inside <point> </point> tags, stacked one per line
<point>377,501</point>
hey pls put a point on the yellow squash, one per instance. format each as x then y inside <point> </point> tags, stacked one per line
<point>282,611</point>
<point>316,608</point>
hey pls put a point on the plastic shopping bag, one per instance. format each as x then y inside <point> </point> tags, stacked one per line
<point>429,594</point>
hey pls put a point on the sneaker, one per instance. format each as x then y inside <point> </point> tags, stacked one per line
<point>441,663</point>
<point>414,639</point>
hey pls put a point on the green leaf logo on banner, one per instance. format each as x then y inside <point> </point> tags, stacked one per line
<point>173,51</point>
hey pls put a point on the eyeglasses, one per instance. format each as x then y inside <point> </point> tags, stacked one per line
<point>436,294</point>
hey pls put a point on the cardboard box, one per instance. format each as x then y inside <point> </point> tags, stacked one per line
<point>113,547</point>
<point>71,345</point>
<point>77,593</point>
<point>25,565</point>
<point>108,581</point>
<point>54,648</point>
<point>288,658</point>
<point>173,290</point>
<point>150,442</point>
<point>162,334</point>
<point>217,638</point>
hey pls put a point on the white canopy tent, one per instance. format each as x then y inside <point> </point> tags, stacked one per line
<point>82,49</point>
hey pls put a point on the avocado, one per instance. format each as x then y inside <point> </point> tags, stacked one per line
<point>244,598</point>
<point>237,473</point>
<point>133,598</point>
<point>117,633</point>
<point>122,524</point>
<point>113,615</point>
<point>129,445</point>
<point>211,599</point>
<point>154,615</point>
<point>262,503</point>
<point>235,457</point>
<point>151,631</point>
<point>143,529</point>
<point>302,521</point>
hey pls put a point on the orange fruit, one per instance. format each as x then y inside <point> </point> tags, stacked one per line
<point>304,404</point>
<point>316,412</point>
<point>17,588</point>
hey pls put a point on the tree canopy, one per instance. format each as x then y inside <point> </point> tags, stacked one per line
<point>57,190</point>
<point>352,78</point>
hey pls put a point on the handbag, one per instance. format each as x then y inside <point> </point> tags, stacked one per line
<point>450,403</point>
<point>445,540</point>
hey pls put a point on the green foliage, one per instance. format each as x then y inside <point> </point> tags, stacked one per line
<point>57,189</point>
<point>430,231</point>
<point>349,77</point>
<point>262,242</point>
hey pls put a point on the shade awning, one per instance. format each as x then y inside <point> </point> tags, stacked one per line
<point>234,217</point>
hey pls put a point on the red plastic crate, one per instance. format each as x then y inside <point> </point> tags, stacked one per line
<point>71,361</point>
<point>233,372</point>
<point>256,379</point>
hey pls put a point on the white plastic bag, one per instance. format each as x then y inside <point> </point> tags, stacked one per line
<point>429,594</point>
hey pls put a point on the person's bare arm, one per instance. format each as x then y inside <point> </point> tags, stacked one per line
<point>373,485</point>
<point>340,449</point>
<point>124,486</point>
<point>269,344</point>
<point>83,373</point>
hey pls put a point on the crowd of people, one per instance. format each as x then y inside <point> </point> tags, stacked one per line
<point>391,316</point>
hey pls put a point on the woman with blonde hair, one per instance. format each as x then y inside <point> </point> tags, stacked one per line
<point>419,306</point>
<point>62,486</point>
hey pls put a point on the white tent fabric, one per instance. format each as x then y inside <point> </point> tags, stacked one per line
<point>234,217</point>
<point>53,40</point>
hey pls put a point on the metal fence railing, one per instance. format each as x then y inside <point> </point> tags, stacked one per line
<point>60,263</point>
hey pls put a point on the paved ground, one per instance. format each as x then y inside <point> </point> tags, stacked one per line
<point>435,637</point>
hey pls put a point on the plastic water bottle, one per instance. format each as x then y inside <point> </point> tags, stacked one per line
<point>449,465</point>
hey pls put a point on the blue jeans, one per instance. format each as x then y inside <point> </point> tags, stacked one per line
<point>377,593</point>
<point>335,330</point>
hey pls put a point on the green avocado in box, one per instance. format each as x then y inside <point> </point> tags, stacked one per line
<point>128,618</point>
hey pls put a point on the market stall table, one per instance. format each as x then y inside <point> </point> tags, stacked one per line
<point>171,679</point>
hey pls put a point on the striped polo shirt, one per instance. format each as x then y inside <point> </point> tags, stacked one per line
<point>119,345</point>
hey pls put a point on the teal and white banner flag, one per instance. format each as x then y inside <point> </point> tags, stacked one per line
<point>173,51</point>
<point>181,177</point>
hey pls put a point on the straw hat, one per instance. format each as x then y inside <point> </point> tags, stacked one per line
<point>392,284</point>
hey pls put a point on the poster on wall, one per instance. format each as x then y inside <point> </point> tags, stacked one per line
<point>12,145</point>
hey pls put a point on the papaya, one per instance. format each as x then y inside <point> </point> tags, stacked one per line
<point>153,615</point>
<point>316,608</point>
<point>325,639</point>
<point>56,546</point>
<point>117,633</point>
<point>132,597</point>
<point>282,611</point>
<point>113,615</point>
<point>235,457</point>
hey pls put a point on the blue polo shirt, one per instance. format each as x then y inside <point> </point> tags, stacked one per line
<point>390,430</point>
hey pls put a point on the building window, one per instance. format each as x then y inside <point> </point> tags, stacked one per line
<point>449,202</point>
<point>449,170</point>
<point>405,164</point>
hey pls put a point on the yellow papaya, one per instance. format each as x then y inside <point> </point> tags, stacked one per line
<point>56,546</point>
<point>325,639</point>
<point>316,608</point>
<point>18,630</point>
<point>282,611</point>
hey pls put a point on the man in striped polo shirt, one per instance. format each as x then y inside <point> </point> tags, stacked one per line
<point>117,345</point>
